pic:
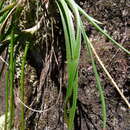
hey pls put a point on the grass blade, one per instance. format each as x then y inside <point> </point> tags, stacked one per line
<point>11,70</point>
<point>74,43</point>
<point>22,126</point>
<point>7,103</point>
<point>66,33</point>
<point>87,41</point>
<point>101,30</point>
<point>70,27</point>
<point>7,8</point>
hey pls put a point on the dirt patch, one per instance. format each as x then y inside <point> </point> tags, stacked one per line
<point>115,17</point>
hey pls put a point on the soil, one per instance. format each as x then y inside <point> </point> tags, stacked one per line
<point>115,16</point>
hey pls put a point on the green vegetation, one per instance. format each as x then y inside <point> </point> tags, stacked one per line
<point>73,29</point>
<point>22,86</point>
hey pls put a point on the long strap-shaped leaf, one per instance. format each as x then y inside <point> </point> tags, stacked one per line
<point>93,22</point>
<point>69,28</point>
<point>11,70</point>
<point>87,42</point>
<point>22,127</point>
<point>73,48</point>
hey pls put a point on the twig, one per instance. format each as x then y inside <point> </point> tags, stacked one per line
<point>35,28</point>
<point>45,110</point>
<point>4,60</point>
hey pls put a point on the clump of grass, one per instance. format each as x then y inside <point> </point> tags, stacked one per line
<point>73,43</point>
<point>73,31</point>
<point>8,37</point>
<point>70,12</point>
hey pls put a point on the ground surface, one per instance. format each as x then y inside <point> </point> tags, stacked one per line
<point>115,16</point>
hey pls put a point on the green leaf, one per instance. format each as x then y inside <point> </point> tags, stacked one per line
<point>98,83</point>
<point>7,8</point>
